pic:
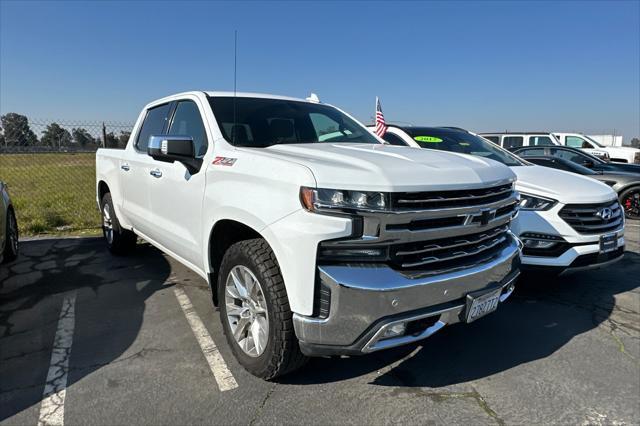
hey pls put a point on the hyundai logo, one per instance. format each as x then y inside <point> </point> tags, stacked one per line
<point>605,213</point>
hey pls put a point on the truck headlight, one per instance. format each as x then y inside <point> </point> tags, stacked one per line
<point>533,202</point>
<point>314,199</point>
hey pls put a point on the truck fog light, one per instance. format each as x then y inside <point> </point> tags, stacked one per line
<point>394,330</point>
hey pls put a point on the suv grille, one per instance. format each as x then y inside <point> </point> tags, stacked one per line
<point>593,218</point>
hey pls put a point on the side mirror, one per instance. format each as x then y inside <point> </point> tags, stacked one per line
<point>170,148</point>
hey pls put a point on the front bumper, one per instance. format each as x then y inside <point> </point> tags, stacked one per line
<point>582,250</point>
<point>368,299</point>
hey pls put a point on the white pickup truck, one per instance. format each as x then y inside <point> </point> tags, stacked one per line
<point>315,238</point>
<point>621,154</point>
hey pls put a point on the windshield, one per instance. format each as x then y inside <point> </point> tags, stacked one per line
<point>262,122</point>
<point>463,142</point>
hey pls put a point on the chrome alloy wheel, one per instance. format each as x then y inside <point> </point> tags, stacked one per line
<point>107,223</point>
<point>247,311</point>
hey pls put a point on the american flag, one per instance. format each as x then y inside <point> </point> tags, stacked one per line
<point>381,127</point>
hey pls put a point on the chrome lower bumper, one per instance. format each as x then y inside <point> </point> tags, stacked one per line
<point>366,300</point>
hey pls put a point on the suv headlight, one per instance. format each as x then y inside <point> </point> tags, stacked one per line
<point>314,199</point>
<point>533,202</point>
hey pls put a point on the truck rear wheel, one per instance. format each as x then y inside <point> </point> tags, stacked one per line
<point>119,241</point>
<point>254,310</point>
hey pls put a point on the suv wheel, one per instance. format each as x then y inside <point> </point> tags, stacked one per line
<point>254,310</point>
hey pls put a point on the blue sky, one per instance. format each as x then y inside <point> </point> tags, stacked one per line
<point>480,65</point>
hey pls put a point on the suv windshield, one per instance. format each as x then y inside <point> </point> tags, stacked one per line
<point>262,122</point>
<point>454,140</point>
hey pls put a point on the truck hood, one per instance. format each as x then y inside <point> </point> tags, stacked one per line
<point>567,188</point>
<point>388,168</point>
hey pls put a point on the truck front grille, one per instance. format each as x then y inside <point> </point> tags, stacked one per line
<point>430,230</point>
<point>442,251</point>
<point>593,218</point>
<point>448,199</point>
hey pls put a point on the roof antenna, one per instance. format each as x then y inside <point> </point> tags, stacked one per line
<point>235,68</point>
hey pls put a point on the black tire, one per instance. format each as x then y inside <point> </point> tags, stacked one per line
<point>119,241</point>
<point>630,200</point>
<point>10,251</point>
<point>281,354</point>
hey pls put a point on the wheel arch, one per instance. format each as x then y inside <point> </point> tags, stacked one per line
<point>223,234</point>
<point>103,188</point>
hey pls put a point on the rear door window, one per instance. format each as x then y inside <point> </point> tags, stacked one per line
<point>512,141</point>
<point>154,123</point>
<point>494,139</point>
<point>540,140</point>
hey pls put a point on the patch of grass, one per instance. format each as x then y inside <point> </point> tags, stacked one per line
<point>52,192</point>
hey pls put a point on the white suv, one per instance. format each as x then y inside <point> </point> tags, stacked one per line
<point>567,222</point>
<point>620,154</point>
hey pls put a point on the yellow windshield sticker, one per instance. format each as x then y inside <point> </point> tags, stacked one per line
<point>464,143</point>
<point>431,139</point>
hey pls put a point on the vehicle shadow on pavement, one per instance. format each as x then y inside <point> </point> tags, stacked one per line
<point>110,302</point>
<point>543,315</point>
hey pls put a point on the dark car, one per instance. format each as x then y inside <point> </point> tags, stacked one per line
<point>577,156</point>
<point>626,184</point>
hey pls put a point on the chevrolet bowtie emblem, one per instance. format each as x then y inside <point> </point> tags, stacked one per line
<point>485,216</point>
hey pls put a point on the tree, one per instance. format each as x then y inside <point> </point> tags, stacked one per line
<point>82,137</point>
<point>124,138</point>
<point>17,131</point>
<point>635,142</point>
<point>55,136</point>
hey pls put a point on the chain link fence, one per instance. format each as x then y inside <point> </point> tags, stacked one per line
<point>49,168</point>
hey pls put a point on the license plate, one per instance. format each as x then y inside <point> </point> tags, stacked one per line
<point>608,243</point>
<point>482,304</point>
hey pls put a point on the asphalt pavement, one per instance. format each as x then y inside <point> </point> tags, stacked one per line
<point>88,338</point>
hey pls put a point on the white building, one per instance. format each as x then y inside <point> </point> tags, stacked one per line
<point>608,140</point>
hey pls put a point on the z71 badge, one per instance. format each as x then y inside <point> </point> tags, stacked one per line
<point>224,161</point>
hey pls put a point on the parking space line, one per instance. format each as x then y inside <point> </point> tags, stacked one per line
<point>213,356</point>
<point>52,406</point>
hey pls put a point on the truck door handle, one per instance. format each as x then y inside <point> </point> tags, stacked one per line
<point>125,167</point>
<point>156,173</point>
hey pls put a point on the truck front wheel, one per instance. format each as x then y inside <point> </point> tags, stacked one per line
<point>119,241</point>
<point>254,310</point>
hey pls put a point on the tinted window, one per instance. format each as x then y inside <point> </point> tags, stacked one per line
<point>187,121</point>
<point>258,122</point>
<point>393,139</point>
<point>545,162</point>
<point>494,139</point>
<point>462,142</point>
<point>530,152</point>
<point>512,141</point>
<point>581,160</point>
<point>153,125</point>
<point>540,140</point>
